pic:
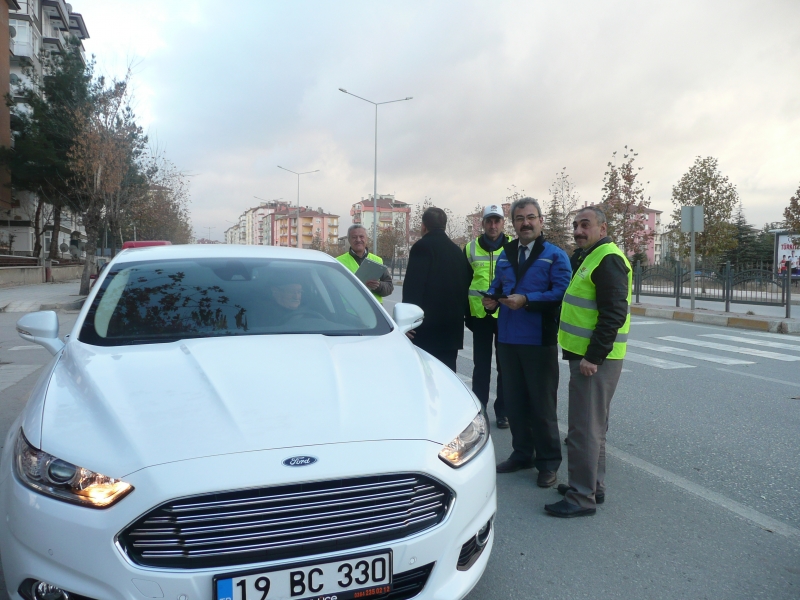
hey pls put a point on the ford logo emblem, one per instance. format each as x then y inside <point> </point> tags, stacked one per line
<point>299,461</point>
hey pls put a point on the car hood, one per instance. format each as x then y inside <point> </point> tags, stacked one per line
<point>120,409</point>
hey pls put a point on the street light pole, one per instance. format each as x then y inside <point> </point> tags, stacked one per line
<point>375,179</point>
<point>289,228</point>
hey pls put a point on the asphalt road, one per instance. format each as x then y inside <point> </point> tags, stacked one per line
<point>703,477</point>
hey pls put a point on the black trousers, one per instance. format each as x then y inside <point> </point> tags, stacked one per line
<point>484,336</point>
<point>530,377</point>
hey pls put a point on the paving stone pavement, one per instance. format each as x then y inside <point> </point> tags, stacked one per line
<point>41,296</point>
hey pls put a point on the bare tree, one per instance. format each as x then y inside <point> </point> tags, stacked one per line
<point>564,200</point>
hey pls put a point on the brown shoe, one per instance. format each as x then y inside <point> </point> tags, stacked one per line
<point>546,479</point>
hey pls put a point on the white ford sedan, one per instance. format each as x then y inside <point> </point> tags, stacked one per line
<point>242,423</point>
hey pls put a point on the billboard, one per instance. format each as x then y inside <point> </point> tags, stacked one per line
<point>787,254</point>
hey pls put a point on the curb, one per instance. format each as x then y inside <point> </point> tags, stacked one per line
<point>770,324</point>
<point>74,305</point>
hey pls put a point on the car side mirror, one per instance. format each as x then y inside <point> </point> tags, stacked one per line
<point>407,316</point>
<point>41,328</point>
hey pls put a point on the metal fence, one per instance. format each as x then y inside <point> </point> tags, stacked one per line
<point>719,283</point>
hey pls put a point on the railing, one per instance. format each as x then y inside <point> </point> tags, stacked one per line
<point>718,283</point>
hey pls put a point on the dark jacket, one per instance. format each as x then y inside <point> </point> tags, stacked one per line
<point>437,280</point>
<point>543,279</point>
<point>611,280</point>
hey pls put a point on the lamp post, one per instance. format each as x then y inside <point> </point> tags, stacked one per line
<point>289,227</point>
<point>375,182</point>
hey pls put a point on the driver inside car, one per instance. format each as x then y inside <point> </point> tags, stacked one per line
<point>288,295</point>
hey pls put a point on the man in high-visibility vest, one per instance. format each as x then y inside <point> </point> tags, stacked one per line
<point>593,333</point>
<point>482,254</point>
<point>357,236</point>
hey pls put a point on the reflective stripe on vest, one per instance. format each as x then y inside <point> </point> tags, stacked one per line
<point>348,261</point>
<point>483,266</point>
<point>579,312</point>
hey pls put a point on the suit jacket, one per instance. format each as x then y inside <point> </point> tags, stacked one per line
<point>437,280</point>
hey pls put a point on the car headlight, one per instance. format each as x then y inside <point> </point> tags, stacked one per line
<point>468,443</point>
<point>54,477</point>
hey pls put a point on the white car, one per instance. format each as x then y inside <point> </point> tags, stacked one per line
<point>244,423</point>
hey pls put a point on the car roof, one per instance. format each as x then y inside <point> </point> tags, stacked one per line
<point>193,251</point>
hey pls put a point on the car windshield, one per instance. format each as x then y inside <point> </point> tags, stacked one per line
<point>163,301</point>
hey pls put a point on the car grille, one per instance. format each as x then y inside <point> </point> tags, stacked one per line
<point>409,584</point>
<point>275,523</point>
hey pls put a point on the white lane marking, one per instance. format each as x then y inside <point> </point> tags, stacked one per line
<point>752,515</point>
<point>729,348</point>
<point>743,340</point>
<point>775,336</point>
<point>12,374</point>
<point>783,381</point>
<point>35,347</point>
<point>659,363</point>
<point>464,378</point>
<point>464,355</point>
<point>722,360</point>
<point>649,322</point>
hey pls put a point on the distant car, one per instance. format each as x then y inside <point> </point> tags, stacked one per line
<point>145,244</point>
<point>239,422</point>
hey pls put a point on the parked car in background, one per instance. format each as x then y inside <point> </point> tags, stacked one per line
<point>240,422</point>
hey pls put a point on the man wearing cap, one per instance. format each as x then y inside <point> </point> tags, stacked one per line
<point>357,236</point>
<point>531,278</point>
<point>482,254</point>
<point>593,333</point>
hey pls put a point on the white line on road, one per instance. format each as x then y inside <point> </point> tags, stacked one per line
<point>664,322</point>
<point>659,363</point>
<point>729,348</point>
<point>721,360</point>
<point>783,381</point>
<point>464,378</point>
<point>774,336</point>
<point>12,374</point>
<point>755,517</point>
<point>36,347</point>
<point>743,340</point>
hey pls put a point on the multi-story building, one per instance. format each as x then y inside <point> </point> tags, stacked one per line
<point>35,26</point>
<point>318,229</point>
<point>391,213</point>
<point>5,83</point>
<point>232,234</point>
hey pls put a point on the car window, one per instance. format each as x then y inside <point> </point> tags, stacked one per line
<point>160,301</point>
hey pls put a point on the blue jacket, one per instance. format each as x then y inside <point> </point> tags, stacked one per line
<point>543,280</point>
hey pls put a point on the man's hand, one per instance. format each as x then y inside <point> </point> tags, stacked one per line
<point>373,284</point>
<point>410,334</point>
<point>514,301</point>
<point>489,304</point>
<point>588,369</point>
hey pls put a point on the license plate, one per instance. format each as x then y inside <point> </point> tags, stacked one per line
<point>362,576</point>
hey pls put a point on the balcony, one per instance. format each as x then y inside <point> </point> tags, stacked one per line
<point>22,49</point>
<point>57,11</point>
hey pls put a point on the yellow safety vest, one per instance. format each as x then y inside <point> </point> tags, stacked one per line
<point>483,263</point>
<point>579,312</point>
<point>348,261</point>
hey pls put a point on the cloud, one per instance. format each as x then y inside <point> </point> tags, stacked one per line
<point>504,93</point>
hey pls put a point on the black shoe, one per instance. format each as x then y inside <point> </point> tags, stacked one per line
<point>546,479</point>
<point>563,488</point>
<point>567,510</point>
<point>510,465</point>
<point>502,422</point>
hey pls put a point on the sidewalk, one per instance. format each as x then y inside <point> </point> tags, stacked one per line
<point>772,324</point>
<point>41,296</point>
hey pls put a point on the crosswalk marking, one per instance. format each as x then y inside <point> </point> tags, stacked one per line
<point>652,361</point>
<point>36,347</point>
<point>775,336</point>
<point>791,383</point>
<point>729,348</point>
<point>12,374</point>
<point>649,322</point>
<point>743,340</point>
<point>722,360</point>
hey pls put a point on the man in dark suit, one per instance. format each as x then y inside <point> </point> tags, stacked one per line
<point>437,280</point>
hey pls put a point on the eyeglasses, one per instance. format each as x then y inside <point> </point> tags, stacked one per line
<point>522,219</point>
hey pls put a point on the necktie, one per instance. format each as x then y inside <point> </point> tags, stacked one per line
<point>523,251</point>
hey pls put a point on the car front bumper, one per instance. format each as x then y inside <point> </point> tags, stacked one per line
<point>74,547</point>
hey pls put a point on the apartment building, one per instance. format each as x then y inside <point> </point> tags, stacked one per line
<point>5,83</point>
<point>35,26</point>
<point>318,229</point>
<point>391,213</point>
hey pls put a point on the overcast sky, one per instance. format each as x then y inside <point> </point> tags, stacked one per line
<point>505,93</point>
